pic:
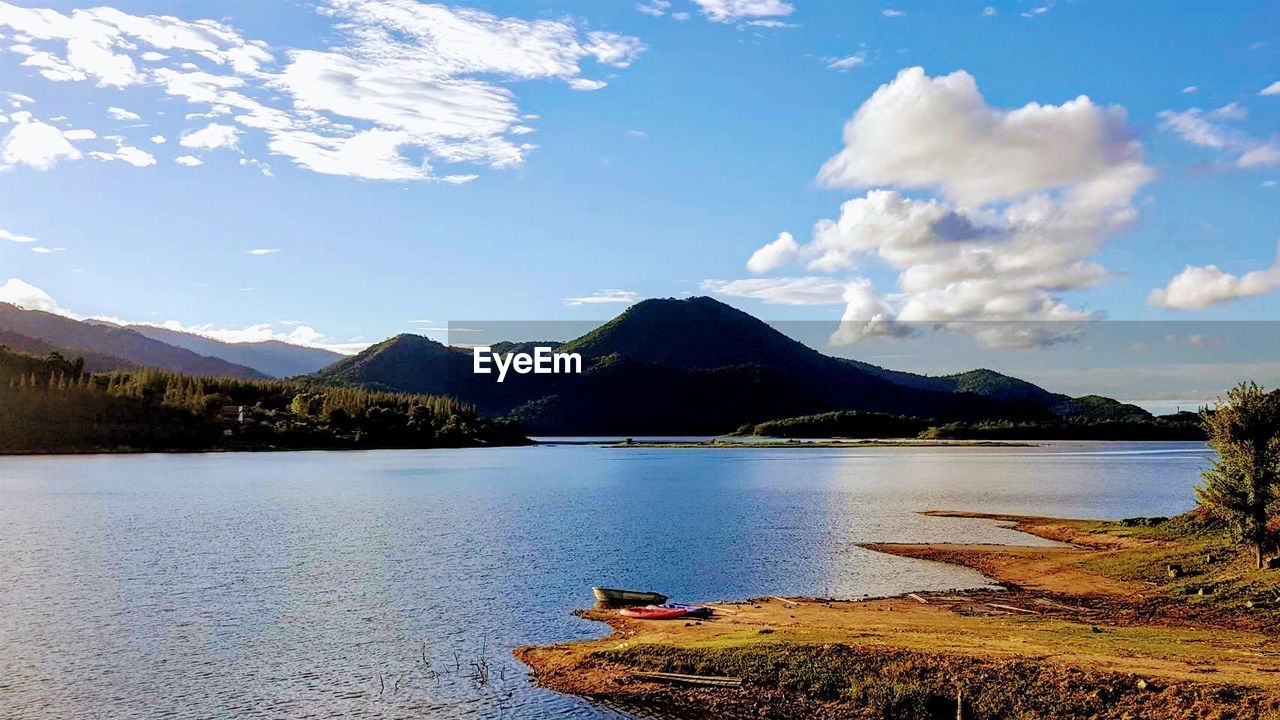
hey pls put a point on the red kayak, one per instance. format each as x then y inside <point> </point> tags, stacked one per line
<point>653,612</point>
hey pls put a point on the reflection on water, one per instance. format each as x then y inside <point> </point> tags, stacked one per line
<point>377,584</point>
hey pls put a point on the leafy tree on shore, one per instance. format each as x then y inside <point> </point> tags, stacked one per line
<point>1244,487</point>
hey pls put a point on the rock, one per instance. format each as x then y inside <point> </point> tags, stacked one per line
<point>1142,684</point>
<point>1174,571</point>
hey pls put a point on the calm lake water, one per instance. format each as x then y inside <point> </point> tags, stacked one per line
<point>313,584</point>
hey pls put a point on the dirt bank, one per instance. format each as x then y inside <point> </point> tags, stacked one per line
<point>1093,629</point>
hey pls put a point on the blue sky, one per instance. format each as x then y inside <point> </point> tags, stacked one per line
<point>707,142</point>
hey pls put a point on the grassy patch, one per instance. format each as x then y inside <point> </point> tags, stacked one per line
<point>902,685</point>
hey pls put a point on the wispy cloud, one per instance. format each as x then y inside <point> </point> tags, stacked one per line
<point>15,237</point>
<point>848,62</point>
<point>781,291</point>
<point>619,297</point>
<point>402,88</point>
<point>263,251</point>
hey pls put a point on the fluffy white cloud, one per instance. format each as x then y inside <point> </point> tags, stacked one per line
<point>211,137</point>
<point>1272,89</point>
<point>122,114</point>
<point>35,144</point>
<point>25,295</point>
<point>405,85</point>
<point>46,250</point>
<point>781,291</point>
<point>774,255</point>
<point>188,160</point>
<point>15,237</point>
<point>866,314</point>
<point>158,139</point>
<point>1198,287</point>
<point>725,11</point>
<point>605,297</point>
<point>1026,198</point>
<point>263,251</point>
<point>919,131</point>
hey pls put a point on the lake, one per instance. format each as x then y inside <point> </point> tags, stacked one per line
<point>314,584</point>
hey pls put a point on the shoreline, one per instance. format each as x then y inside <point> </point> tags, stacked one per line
<point>1075,625</point>
<point>816,443</point>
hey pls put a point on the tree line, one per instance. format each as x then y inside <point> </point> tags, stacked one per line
<point>51,404</point>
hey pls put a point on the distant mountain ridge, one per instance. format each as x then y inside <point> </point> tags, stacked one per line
<point>270,357</point>
<point>699,366</point>
<point>107,347</point>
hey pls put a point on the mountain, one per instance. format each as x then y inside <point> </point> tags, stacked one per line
<point>107,345</point>
<point>674,366</point>
<point>93,362</point>
<point>269,357</point>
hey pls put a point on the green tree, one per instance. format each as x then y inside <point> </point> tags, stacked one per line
<point>1242,488</point>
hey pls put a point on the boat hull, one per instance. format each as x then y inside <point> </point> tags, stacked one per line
<point>615,596</point>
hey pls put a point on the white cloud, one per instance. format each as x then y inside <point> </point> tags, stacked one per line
<point>46,250</point>
<point>1200,128</point>
<point>1027,196</point>
<point>656,8</point>
<point>1272,89</point>
<point>158,139</point>
<point>14,237</point>
<point>1190,89</point>
<point>126,153</point>
<point>1265,155</point>
<point>773,255</point>
<point>725,11</point>
<point>35,144</point>
<point>848,62</point>
<point>988,11</point>
<point>188,160</point>
<point>598,297</point>
<point>404,85</point>
<point>26,295</point>
<point>1198,287</point>
<point>262,167</point>
<point>892,13</point>
<point>79,134</point>
<point>781,291</point>
<point>1231,111</point>
<point>919,131</point>
<point>211,137</point>
<point>866,314</point>
<point>263,251</point>
<point>122,114</point>
<point>585,85</point>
